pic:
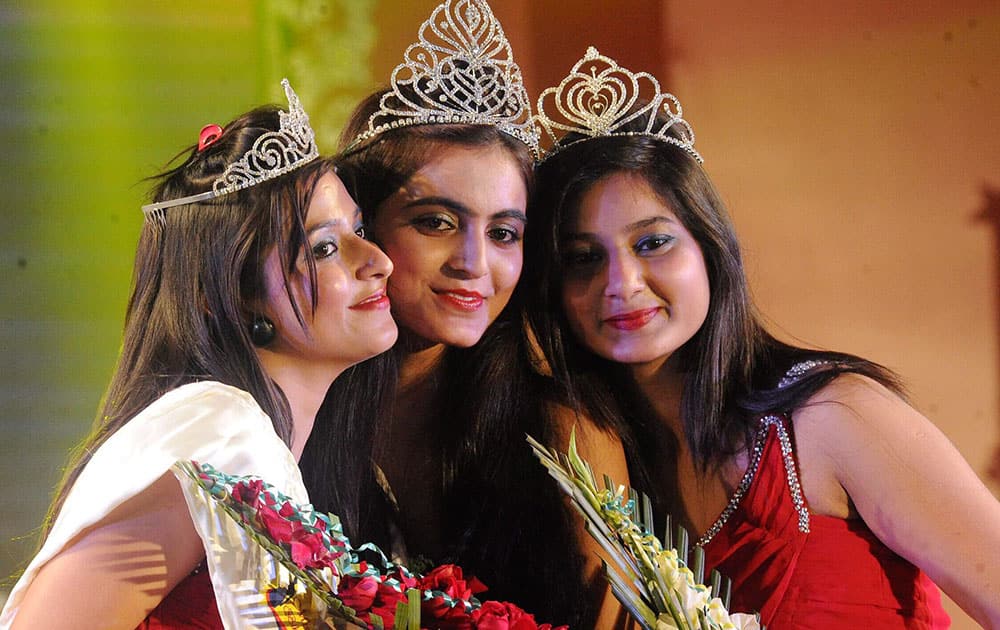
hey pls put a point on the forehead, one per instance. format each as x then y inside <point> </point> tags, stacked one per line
<point>330,201</point>
<point>618,200</point>
<point>469,171</point>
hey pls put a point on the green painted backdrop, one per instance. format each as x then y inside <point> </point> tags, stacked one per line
<point>94,97</point>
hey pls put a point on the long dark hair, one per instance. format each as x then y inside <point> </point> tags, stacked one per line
<point>197,278</point>
<point>501,510</point>
<point>732,364</point>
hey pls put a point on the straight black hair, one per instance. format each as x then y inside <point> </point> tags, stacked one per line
<point>501,509</point>
<point>731,365</point>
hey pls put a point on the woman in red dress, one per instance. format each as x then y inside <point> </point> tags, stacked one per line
<point>812,483</point>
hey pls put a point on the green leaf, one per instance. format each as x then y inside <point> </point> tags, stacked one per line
<point>624,529</point>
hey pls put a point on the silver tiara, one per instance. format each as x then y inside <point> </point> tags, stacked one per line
<point>460,71</point>
<point>273,153</point>
<point>599,98</point>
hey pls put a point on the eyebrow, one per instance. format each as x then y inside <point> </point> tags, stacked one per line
<point>331,223</point>
<point>644,223</point>
<point>463,209</point>
<point>631,227</point>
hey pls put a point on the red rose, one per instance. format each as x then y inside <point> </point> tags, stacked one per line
<point>406,581</point>
<point>278,529</point>
<point>448,579</point>
<point>442,614</point>
<point>503,616</point>
<point>309,552</point>
<point>389,594</point>
<point>358,592</point>
<point>369,597</point>
<point>247,491</point>
<point>506,616</point>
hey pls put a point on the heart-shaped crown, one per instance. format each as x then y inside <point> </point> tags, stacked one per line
<point>598,98</point>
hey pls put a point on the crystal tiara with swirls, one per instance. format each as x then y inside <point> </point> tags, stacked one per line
<point>273,154</point>
<point>461,71</point>
<point>598,98</point>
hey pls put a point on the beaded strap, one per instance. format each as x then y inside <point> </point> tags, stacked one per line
<point>798,499</point>
<point>799,370</point>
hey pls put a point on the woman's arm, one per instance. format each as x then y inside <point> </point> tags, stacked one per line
<point>910,485</point>
<point>604,452</point>
<point>114,573</point>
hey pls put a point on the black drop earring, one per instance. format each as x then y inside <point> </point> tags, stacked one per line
<point>261,331</point>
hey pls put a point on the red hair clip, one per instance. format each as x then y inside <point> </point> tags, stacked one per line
<point>209,134</point>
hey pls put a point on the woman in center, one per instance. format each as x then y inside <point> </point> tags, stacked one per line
<point>442,171</point>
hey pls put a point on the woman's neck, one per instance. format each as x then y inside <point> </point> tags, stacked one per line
<point>305,388</point>
<point>419,380</point>
<point>420,366</point>
<point>420,363</point>
<point>410,454</point>
<point>662,385</point>
<point>683,488</point>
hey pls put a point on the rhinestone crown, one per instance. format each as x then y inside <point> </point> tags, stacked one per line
<point>273,154</point>
<point>461,71</point>
<point>598,98</point>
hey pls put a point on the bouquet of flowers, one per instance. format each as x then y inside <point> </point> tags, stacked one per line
<point>330,583</point>
<point>652,580</point>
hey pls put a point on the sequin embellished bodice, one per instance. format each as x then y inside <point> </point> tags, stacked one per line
<point>802,570</point>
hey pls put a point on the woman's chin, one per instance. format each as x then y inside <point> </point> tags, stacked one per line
<point>455,336</point>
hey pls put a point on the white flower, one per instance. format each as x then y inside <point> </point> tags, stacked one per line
<point>694,597</point>
<point>684,578</point>
<point>651,578</point>
<point>717,613</point>
<point>742,621</point>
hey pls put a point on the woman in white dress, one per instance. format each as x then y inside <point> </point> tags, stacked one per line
<point>254,288</point>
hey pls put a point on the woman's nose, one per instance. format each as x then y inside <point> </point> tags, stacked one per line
<point>469,257</point>
<point>624,276</point>
<point>373,262</point>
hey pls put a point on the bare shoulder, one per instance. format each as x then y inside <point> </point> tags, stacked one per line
<point>854,415</point>
<point>846,431</point>
<point>149,539</point>
<point>849,394</point>
<point>909,483</point>
<point>606,455</point>
<point>602,448</point>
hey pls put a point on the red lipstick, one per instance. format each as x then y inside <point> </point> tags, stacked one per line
<point>633,320</point>
<point>374,302</point>
<point>461,299</point>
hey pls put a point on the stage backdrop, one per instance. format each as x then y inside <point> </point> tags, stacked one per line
<point>95,97</point>
<point>857,144</point>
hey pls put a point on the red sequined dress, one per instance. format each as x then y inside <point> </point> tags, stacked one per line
<point>802,570</point>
